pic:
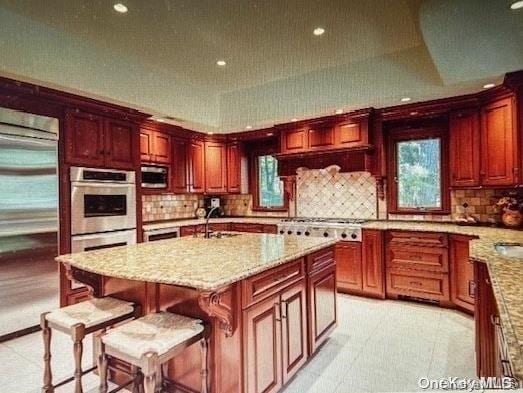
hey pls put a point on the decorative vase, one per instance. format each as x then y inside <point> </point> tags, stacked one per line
<point>512,218</point>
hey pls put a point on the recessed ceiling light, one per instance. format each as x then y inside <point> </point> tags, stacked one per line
<point>489,86</point>
<point>270,133</point>
<point>221,63</point>
<point>405,99</point>
<point>160,120</point>
<point>339,111</point>
<point>121,8</point>
<point>248,128</point>
<point>516,5</point>
<point>210,133</point>
<point>413,113</point>
<point>294,119</point>
<point>318,31</point>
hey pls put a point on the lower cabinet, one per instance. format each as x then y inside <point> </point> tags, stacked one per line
<point>275,339</point>
<point>462,288</point>
<point>348,266</point>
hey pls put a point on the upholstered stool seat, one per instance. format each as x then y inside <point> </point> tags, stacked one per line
<point>150,342</point>
<point>78,320</point>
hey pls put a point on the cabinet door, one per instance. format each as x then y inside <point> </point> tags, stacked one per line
<point>461,273</point>
<point>84,139</point>
<point>262,347</point>
<point>498,144</point>
<point>348,266</point>
<point>162,148</point>
<point>322,306</point>
<point>196,166</point>
<point>294,329</point>
<point>373,262</point>
<point>120,145</point>
<point>351,133</point>
<point>294,140</point>
<point>321,137</point>
<point>146,145</point>
<point>179,173</point>
<point>215,167</point>
<point>233,168</point>
<point>464,149</point>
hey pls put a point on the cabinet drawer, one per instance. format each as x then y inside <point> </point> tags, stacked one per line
<point>320,259</point>
<point>191,229</point>
<point>270,229</point>
<point>254,228</point>
<point>419,258</point>
<point>267,283</point>
<point>432,286</point>
<point>420,239</point>
<point>220,226</point>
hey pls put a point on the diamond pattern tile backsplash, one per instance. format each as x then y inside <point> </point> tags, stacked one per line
<point>327,193</point>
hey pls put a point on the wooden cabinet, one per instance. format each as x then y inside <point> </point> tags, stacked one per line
<point>100,142</point>
<point>351,133</point>
<point>215,168</point>
<point>465,148</point>
<point>275,328</point>
<point>321,297</point>
<point>499,144</point>
<point>417,266</point>
<point>196,166</point>
<point>373,263</point>
<point>233,167</point>
<point>294,140</point>
<point>462,287</point>
<point>321,136</point>
<point>348,267</point>
<point>179,168</point>
<point>252,228</point>
<point>155,147</point>
<point>190,230</point>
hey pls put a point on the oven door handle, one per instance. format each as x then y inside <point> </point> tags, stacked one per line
<point>104,185</point>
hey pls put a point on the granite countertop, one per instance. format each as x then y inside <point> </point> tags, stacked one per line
<point>196,221</point>
<point>204,264</point>
<point>506,274</point>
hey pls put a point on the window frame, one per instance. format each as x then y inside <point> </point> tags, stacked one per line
<point>405,135</point>
<point>254,184</point>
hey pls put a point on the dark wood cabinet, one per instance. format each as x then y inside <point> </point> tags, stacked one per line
<point>254,228</point>
<point>373,264</point>
<point>196,166</point>
<point>294,140</point>
<point>349,267</point>
<point>499,151</point>
<point>321,297</point>
<point>351,133</point>
<point>462,287</point>
<point>179,169</point>
<point>233,167</point>
<point>321,136</point>
<point>155,146</point>
<point>465,148</point>
<point>100,142</point>
<point>215,168</point>
<point>146,145</point>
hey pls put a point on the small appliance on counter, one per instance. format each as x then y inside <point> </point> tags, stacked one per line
<point>211,203</point>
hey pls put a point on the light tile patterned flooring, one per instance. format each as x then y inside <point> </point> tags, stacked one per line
<point>378,346</point>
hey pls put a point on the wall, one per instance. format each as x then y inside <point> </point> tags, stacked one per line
<point>327,193</point>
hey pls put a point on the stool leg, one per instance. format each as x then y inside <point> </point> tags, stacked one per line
<point>150,368</point>
<point>78,334</point>
<point>102,364</point>
<point>204,344</point>
<point>135,374</point>
<point>48,375</point>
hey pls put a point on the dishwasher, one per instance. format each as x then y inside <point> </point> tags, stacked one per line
<point>161,234</point>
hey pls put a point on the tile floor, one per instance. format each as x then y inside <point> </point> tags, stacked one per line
<point>378,346</point>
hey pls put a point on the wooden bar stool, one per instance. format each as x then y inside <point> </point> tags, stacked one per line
<point>149,343</point>
<point>77,321</point>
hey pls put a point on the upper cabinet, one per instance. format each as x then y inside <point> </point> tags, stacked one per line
<point>484,145</point>
<point>196,161</point>
<point>99,142</point>
<point>464,148</point>
<point>215,167</point>
<point>321,136</point>
<point>294,140</point>
<point>499,144</point>
<point>155,147</point>
<point>179,167</point>
<point>234,156</point>
<point>352,133</point>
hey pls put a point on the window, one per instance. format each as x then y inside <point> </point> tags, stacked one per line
<point>270,193</point>
<point>418,180</point>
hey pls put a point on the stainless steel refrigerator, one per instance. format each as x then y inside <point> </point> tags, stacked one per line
<point>29,282</point>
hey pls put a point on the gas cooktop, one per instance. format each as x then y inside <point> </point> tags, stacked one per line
<point>346,229</point>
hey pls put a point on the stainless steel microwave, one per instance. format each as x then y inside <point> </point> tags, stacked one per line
<point>155,176</point>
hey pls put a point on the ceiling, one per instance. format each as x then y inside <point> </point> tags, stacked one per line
<point>161,55</point>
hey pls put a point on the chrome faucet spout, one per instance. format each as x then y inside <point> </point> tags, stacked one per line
<point>207,234</point>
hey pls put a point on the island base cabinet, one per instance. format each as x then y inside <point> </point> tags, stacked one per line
<point>275,339</point>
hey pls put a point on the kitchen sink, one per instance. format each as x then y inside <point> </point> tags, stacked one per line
<point>224,235</point>
<point>511,250</point>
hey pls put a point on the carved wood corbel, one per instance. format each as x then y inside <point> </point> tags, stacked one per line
<point>219,305</point>
<point>93,282</point>
<point>380,187</point>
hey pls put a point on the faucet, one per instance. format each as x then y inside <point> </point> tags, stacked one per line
<point>207,234</point>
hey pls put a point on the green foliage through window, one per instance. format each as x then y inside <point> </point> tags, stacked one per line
<point>419,174</point>
<point>269,184</point>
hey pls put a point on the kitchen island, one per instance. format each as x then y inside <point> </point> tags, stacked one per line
<point>270,300</point>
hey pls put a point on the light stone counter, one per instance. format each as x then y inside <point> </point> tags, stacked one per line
<point>204,264</point>
<point>506,274</point>
<point>196,221</point>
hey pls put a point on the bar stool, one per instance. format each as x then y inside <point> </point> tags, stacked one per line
<point>77,321</point>
<point>149,342</point>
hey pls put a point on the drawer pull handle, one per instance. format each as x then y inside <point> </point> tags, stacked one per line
<point>472,288</point>
<point>284,309</point>
<point>494,319</point>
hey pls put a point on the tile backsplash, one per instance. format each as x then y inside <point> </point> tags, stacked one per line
<point>327,193</point>
<point>241,205</point>
<point>168,206</point>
